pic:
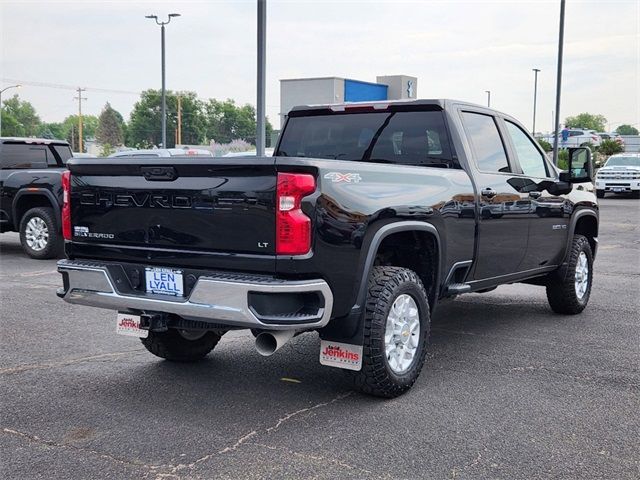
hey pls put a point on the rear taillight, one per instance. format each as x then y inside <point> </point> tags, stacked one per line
<point>293,227</point>
<point>66,205</point>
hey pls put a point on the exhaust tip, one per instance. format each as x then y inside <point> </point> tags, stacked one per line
<point>266,344</point>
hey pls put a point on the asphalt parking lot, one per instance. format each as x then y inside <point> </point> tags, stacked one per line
<point>509,390</point>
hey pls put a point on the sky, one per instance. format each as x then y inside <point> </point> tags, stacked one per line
<point>456,49</point>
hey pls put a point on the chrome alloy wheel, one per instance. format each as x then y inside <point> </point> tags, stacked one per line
<point>582,275</point>
<point>402,333</point>
<point>37,234</point>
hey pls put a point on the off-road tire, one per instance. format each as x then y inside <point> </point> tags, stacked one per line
<point>376,377</point>
<point>172,346</point>
<point>54,244</point>
<point>600,193</point>
<point>561,291</point>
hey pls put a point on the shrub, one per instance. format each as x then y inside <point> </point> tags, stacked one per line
<point>563,159</point>
<point>610,147</point>
<point>546,146</point>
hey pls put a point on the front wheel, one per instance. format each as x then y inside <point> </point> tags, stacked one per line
<point>181,345</point>
<point>600,193</point>
<point>569,287</point>
<point>396,332</point>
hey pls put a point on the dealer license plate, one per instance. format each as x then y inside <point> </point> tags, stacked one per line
<point>618,190</point>
<point>164,281</point>
<point>130,325</point>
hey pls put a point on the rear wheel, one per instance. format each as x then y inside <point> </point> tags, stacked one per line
<point>396,333</point>
<point>600,193</point>
<point>181,345</point>
<point>569,287</point>
<point>39,233</point>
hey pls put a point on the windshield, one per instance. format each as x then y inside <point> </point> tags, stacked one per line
<point>401,137</point>
<point>623,162</point>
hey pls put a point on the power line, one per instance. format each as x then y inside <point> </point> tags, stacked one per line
<point>68,87</point>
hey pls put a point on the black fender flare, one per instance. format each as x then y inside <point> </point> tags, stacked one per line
<point>349,329</point>
<point>583,212</point>
<point>41,192</point>
<point>380,235</point>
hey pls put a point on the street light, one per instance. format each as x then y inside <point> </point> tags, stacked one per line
<point>1,91</point>
<point>164,93</point>
<point>488,98</point>
<point>535,98</point>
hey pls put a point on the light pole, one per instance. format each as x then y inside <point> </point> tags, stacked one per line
<point>164,92</point>
<point>556,123</point>
<point>261,70</point>
<point>488,98</point>
<point>1,91</point>
<point>535,99</point>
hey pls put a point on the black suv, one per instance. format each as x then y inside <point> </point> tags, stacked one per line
<point>31,192</point>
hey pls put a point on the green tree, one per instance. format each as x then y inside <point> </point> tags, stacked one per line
<point>627,130</point>
<point>106,150</point>
<point>227,121</point>
<point>610,147</point>
<point>587,121</point>
<point>20,117</point>
<point>145,125</point>
<point>55,130</point>
<point>70,129</point>
<point>109,131</point>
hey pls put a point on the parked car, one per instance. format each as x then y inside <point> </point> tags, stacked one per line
<point>364,219</point>
<point>577,138</point>
<point>31,192</point>
<point>163,152</point>
<point>268,152</point>
<point>621,174</point>
<point>612,136</point>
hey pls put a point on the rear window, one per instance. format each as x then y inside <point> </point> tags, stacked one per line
<point>23,155</point>
<point>400,137</point>
<point>64,152</point>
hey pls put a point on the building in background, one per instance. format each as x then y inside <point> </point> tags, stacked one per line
<point>310,91</point>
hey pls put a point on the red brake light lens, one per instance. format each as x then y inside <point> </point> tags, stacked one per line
<point>293,227</point>
<point>66,205</point>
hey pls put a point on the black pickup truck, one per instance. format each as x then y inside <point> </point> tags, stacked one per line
<point>363,220</point>
<point>31,192</point>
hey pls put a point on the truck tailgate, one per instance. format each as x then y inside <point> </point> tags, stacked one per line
<point>162,207</point>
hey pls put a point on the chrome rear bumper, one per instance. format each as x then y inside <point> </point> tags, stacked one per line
<point>219,299</point>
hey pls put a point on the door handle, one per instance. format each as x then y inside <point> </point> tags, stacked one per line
<point>488,192</point>
<point>535,194</point>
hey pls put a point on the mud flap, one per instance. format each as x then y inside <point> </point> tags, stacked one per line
<point>342,340</point>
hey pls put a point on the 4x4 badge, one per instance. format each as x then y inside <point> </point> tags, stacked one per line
<point>337,177</point>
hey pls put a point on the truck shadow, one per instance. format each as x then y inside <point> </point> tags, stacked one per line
<point>234,381</point>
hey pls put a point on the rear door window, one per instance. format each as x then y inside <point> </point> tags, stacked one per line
<point>23,155</point>
<point>486,142</point>
<point>64,152</point>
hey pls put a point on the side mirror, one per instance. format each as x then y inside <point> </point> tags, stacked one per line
<point>580,166</point>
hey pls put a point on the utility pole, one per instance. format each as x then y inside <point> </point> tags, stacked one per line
<point>179,139</point>
<point>80,98</point>
<point>535,99</point>
<point>558,83</point>
<point>488,98</point>
<point>262,51</point>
